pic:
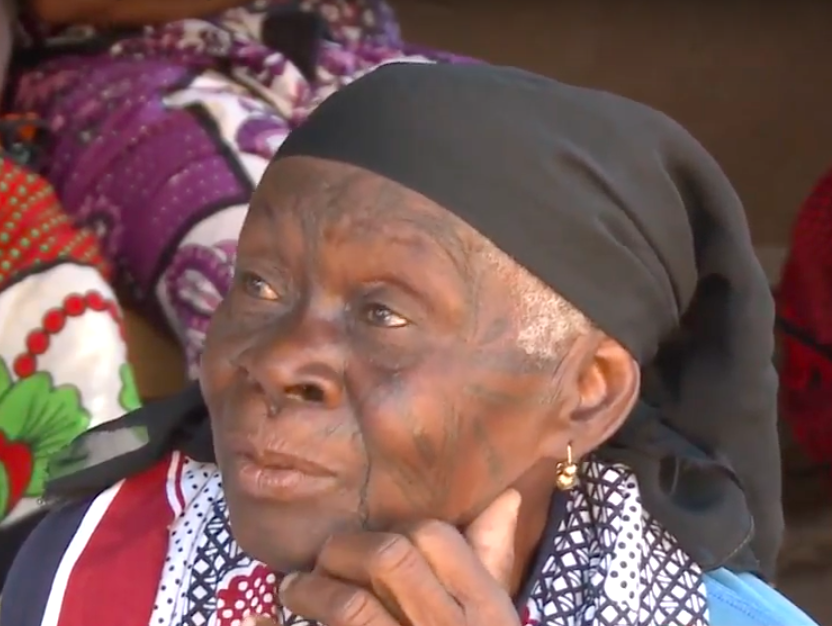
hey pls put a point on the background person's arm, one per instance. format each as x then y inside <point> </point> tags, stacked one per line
<point>125,12</point>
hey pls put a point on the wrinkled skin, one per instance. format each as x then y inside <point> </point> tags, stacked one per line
<point>365,332</point>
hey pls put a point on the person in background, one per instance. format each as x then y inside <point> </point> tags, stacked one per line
<point>498,351</point>
<point>164,114</point>
<point>804,303</point>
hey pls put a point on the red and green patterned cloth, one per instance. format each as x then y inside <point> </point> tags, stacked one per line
<point>63,359</point>
<point>36,420</point>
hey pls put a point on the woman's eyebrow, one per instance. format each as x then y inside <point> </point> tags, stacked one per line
<point>441,236</point>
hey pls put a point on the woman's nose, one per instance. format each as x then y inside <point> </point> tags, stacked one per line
<point>303,366</point>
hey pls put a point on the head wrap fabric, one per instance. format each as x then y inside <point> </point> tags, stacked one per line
<point>618,209</point>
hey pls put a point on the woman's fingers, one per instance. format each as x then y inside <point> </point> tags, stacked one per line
<point>429,575</point>
<point>397,573</point>
<point>258,620</point>
<point>326,600</point>
<point>492,534</point>
<point>460,570</point>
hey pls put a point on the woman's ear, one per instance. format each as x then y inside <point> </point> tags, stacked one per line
<point>602,386</point>
<point>608,384</point>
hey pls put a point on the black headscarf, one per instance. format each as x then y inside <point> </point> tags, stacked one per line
<point>618,209</point>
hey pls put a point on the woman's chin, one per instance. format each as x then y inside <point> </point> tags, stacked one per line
<point>281,536</point>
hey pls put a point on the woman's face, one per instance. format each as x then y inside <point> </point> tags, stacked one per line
<point>363,372</point>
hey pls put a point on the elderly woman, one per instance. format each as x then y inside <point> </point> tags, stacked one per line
<point>498,351</point>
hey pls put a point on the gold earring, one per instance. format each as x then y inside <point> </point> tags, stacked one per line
<point>566,475</point>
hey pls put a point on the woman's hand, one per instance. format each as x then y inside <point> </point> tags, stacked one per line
<point>429,575</point>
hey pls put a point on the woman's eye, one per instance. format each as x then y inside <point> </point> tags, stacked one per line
<point>380,315</point>
<point>257,287</point>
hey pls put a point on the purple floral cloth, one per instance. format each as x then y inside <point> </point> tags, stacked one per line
<point>160,135</point>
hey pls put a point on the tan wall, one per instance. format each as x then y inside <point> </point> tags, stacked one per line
<point>752,80</point>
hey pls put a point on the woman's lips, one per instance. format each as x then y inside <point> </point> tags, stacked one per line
<point>281,477</point>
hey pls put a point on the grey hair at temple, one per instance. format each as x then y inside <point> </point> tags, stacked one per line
<point>548,321</point>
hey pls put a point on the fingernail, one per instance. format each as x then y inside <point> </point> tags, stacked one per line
<point>287,581</point>
<point>517,501</point>
<point>510,502</point>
